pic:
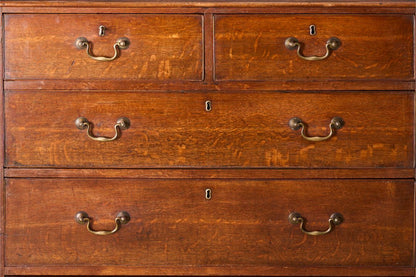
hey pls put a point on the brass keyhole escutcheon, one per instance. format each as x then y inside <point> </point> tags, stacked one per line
<point>208,194</point>
<point>312,30</point>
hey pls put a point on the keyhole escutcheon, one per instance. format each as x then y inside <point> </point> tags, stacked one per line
<point>208,194</point>
<point>312,30</point>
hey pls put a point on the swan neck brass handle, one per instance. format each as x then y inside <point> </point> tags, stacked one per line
<point>296,124</point>
<point>332,44</point>
<point>121,218</point>
<point>122,123</point>
<point>334,219</point>
<point>121,43</point>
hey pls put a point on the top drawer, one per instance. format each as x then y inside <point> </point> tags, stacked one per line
<point>252,47</point>
<point>161,46</point>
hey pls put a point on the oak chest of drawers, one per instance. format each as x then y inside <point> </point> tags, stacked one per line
<point>208,138</point>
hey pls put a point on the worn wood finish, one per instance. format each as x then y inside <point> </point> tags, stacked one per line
<point>173,224</point>
<point>273,6</point>
<point>252,47</point>
<point>182,54</point>
<point>214,270</point>
<point>209,85</point>
<point>163,47</point>
<point>211,173</point>
<point>242,130</point>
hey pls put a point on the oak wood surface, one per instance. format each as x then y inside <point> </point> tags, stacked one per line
<point>211,85</point>
<point>211,270</point>
<point>162,47</point>
<point>258,168</point>
<point>211,173</point>
<point>244,224</point>
<point>242,130</point>
<point>252,47</point>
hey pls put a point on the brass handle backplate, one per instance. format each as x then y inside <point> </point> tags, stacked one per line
<point>296,124</point>
<point>121,43</point>
<point>121,218</point>
<point>332,44</point>
<point>122,123</point>
<point>334,219</point>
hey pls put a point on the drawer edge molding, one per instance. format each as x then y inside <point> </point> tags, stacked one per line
<point>210,270</point>
<point>210,173</point>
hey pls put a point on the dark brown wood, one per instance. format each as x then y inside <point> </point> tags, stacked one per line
<point>220,270</point>
<point>309,5</point>
<point>252,47</point>
<point>242,130</point>
<point>244,224</point>
<point>323,85</point>
<point>163,47</point>
<point>223,173</point>
<point>258,168</point>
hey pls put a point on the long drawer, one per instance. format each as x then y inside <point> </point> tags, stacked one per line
<point>209,129</point>
<point>243,223</point>
<point>261,47</point>
<point>160,47</point>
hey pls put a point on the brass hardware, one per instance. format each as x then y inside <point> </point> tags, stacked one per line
<point>121,43</point>
<point>332,44</point>
<point>296,124</point>
<point>121,218</point>
<point>312,30</point>
<point>122,123</point>
<point>101,30</point>
<point>208,105</point>
<point>334,219</point>
<point>208,194</point>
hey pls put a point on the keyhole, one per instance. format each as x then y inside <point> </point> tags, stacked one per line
<point>208,194</point>
<point>312,30</point>
<point>101,30</point>
<point>208,105</point>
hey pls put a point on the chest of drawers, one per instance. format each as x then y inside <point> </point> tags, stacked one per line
<point>208,138</point>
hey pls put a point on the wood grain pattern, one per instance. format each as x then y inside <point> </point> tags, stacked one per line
<point>212,173</point>
<point>163,47</point>
<point>245,223</point>
<point>252,47</point>
<point>212,270</point>
<point>242,130</point>
<point>182,54</point>
<point>209,85</point>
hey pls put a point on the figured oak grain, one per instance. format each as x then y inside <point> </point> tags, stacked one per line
<point>243,130</point>
<point>252,47</point>
<point>244,224</point>
<point>162,46</point>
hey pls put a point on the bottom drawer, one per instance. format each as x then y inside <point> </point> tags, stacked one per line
<point>245,223</point>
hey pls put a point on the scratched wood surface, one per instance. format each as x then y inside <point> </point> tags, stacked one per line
<point>241,130</point>
<point>163,47</point>
<point>252,47</point>
<point>245,222</point>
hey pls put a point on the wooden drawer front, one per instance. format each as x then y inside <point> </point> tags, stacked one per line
<point>162,47</point>
<point>244,223</point>
<point>241,130</point>
<point>252,47</point>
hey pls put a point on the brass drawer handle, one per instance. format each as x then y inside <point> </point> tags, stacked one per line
<point>83,218</point>
<point>332,44</point>
<point>121,43</point>
<point>334,219</point>
<point>296,124</point>
<point>122,123</point>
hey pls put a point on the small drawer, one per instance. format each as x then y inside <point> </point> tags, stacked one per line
<point>209,129</point>
<point>244,223</point>
<point>253,47</point>
<point>160,47</point>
